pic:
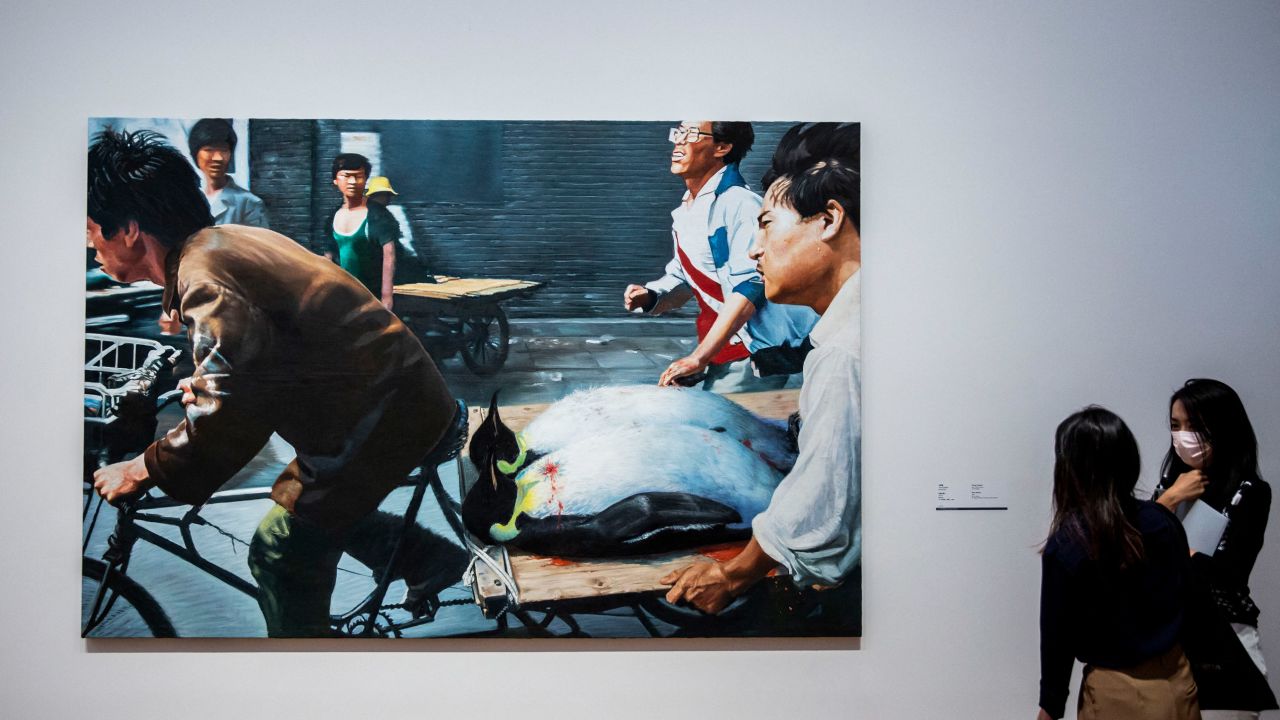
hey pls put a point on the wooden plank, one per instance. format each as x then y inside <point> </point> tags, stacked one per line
<point>452,288</point>
<point>777,404</point>
<point>543,579</point>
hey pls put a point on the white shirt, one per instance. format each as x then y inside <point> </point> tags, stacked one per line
<point>813,524</point>
<point>233,205</point>
<point>713,230</point>
<point>692,223</point>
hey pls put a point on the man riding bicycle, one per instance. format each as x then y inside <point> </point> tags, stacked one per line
<point>282,341</point>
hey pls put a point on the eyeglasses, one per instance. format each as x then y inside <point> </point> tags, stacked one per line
<point>687,135</point>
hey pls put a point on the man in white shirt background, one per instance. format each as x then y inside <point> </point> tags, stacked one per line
<point>212,142</point>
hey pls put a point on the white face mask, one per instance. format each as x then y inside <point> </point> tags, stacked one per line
<point>1190,448</point>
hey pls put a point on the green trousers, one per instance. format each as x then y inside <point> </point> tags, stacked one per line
<point>296,565</point>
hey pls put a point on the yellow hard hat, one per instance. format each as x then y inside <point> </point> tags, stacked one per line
<point>377,185</point>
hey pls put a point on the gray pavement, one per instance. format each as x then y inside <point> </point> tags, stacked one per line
<point>551,358</point>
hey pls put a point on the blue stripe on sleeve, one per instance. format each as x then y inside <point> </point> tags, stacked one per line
<point>752,290</point>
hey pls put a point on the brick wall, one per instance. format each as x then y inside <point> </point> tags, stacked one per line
<point>584,206</point>
<point>280,169</point>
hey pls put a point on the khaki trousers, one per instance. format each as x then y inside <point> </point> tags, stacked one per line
<point>1159,689</point>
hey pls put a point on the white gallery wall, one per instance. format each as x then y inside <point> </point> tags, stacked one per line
<point>1064,204</point>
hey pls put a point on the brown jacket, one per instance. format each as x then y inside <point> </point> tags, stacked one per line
<point>286,341</point>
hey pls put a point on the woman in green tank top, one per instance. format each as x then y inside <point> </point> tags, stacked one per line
<point>356,257</point>
<point>364,251</point>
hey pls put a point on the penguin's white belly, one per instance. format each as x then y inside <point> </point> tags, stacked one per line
<point>619,407</point>
<point>595,472</point>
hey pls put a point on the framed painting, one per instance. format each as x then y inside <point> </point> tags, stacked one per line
<point>394,378</point>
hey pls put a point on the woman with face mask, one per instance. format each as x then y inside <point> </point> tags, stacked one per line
<point>1115,574</point>
<point>1213,460</point>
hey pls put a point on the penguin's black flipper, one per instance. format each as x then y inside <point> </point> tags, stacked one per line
<point>638,525</point>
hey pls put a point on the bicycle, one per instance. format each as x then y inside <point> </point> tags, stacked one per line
<point>123,377</point>
<point>121,408</point>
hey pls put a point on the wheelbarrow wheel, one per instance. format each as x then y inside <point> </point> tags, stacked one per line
<point>485,338</point>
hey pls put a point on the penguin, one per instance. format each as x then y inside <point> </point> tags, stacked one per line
<point>494,438</point>
<point>624,491</point>
<point>615,407</point>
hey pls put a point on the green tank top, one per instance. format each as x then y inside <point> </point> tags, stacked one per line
<point>356,256</point>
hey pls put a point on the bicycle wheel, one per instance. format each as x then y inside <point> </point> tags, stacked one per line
<point>126,610</point>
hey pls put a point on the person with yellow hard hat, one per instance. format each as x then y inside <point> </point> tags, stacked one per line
<point>409,267</point>
<point>379,189</point>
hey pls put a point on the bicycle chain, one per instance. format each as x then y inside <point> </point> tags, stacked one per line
<point>443,603</point>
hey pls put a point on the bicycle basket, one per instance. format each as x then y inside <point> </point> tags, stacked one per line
<point>112,363</point>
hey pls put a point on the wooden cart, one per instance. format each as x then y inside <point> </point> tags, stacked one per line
<point>462,315</point>
<point>508,581</point>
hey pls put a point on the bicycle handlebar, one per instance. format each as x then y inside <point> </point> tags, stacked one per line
<point>129,503</point>
<point>136,392</point>
<point>142,380</point>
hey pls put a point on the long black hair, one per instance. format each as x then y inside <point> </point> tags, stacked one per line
<point>1096,467</point>
<point>1216,413</point>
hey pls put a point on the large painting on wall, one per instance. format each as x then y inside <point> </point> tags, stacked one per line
<point>390,378</point>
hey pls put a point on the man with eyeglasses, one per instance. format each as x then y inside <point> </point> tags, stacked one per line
<point>711,231</point>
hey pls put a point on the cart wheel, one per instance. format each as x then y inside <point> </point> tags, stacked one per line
<point>485,335</point>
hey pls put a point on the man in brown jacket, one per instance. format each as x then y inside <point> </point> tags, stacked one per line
<point>283,341</point>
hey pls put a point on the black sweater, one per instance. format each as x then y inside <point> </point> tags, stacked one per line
<point>1226,572</point>
<point>1108,617</point>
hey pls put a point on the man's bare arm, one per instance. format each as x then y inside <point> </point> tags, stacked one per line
<point>711,586</point>
<point>735,313</point>
<point>388,273</point>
